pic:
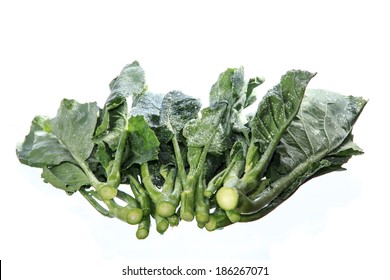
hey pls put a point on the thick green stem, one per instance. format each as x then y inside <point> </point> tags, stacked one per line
<point>200,225</point>
<point>256,173</point>
<point>202,205</point>
<point>127,214</point>
<point>140,195</point>
<point>215,183</point>
<point>127,199</point>
<point>114,178</point>
<point>151,189</point>
<point>233,215</point>
<point>218,220</point>
<point>252,157</point>
<point>187,201</point>
<point>188,195</point>
<point>143,227</point>
<point>262,186</point>
<point>179,160</point>
<point>234,174</point>
<point>169,182</point>
<point>105,190</point>
<point>168,202</point>
<point>196,168</point>
<point>162,224</point>
<point>173,220</point>
<point>272,205</point>
<point>227,198</point>
<point>253,204</point>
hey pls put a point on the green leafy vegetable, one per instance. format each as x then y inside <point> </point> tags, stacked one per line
<point>145,155</point>
<point>273,116</point>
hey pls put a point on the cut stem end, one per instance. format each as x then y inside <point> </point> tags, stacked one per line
<point>227,198</point>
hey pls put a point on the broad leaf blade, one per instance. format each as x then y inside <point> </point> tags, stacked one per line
<point>274,114</point>
<point>177,109</point>
<point>130,82</point>
<point>74,127</point>
<point>143,143</point>
<point>65,176</point>
<point>207,131</point>
<point>323,124</point>
<point>41,147</point>
<point>278,108</point>
<point>306,150</point>
<point>228,88</point>
<point>149,106</point>
<point>214,129</point>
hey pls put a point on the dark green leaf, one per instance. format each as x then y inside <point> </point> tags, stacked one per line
<point>322,125</point>
<point>278,108</point>
<point>143,143</point>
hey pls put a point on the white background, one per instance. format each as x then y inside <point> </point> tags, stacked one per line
<point>334,227</point>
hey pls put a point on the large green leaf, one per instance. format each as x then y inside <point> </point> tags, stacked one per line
<point>322,125</point>
<point>228,88</point>
<point>177,109</point>
<point>278,108</point>
<point>274,114</point>
<point>65,176</point>
<point>143,143</point>
<point>214,129</point>
<point>207,131</point>
<point>74,126</point>
<point>318,141</point>
<point>40,147</point>
<point>149,106</point>
<point>129,83</point>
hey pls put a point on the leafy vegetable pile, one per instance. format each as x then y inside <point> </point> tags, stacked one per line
<point>167,158</point>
